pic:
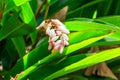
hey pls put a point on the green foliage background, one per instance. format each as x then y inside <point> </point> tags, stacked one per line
<point>91,22</point>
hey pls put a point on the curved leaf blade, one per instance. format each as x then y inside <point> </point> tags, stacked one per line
<point>14,3</point>
<point>115,20</point>
<point>14,29</point>
<point>89,61</point>
<point>82,25</point>
<point>56,55</point>
<point>20,45</point>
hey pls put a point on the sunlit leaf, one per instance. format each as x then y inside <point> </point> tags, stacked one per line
<point>14,3</point>
<point>57,66</point>
<point>30,58</point>
<point>56,55</point>
<point>115,20</point>
<point>20,45</point>
<point>89,61</point>
<point>14,27</point>
<point>83,25</point>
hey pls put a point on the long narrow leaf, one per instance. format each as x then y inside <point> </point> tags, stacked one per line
<point>14,3</point>
<point>14,29</point>
<point>83,25</point>
<point>29,18</point>
<point>89,61</point>
<point>56,55</point>
<point>112,19</point>
<point>20,45</point>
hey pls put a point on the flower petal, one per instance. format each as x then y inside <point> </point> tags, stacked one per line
<point>41,25</point>
<point>61,49</point>
<point>64,36</point>
<point>58,33</point>
<point>66,43</point>
<point>53,34</point>
<point>63,29</point>
<point>48,31</point>
<point>50,46</point>
<point>57,47</point>
<point>58,42</point>
<point>55,38</point>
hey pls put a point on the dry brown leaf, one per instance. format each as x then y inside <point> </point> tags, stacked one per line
<point>100,69</point>
<point>15,78</point>
<point>94,49</point>
<point>1,78</point>
<point>61,15</point>
<point>108,47</point>
<point>118,76</point>
<point>1,67</point>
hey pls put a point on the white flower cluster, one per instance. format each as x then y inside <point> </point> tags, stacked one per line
<point>57,33</point>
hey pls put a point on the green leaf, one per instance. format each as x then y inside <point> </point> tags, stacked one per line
<point>56,55</point>
<point>115,36</point>
<point>111,40</point>
<point>14,27</point>
<point>57,5</point>
<point>104,43</point>
<point>30,58</point>
<point>88,8</point>
<point>83,35</point>
<point>14,3</point>
<point>41,73</point>
<point>34,36</point>
<point>29,19</point>
<point>27,15</point>
<point>34,4</point>
<point>117,8</point>
<point>84,43</point>
<point>7,54</point>
<point>19,28</point>
<point>51,1</point>
<point>89,61</point>
<point>115,20</point>
<point>104,8</point>
<point>84,25</point>
<point>80,19</point>
<point>20,45</point>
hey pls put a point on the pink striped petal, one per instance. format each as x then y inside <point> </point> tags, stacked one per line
<point>61,49</point>
<point>56,21</point>
<point>66,43</point>
<point>58,33</point>
<point>64,36</point>
<point>58,42</point>
<point>63,29</point>
<point>55,38</point>
<point>57,47</point>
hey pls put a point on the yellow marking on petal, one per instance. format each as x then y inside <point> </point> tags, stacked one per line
<point>54,51</point>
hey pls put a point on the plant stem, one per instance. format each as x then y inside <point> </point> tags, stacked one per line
<point>46,12</point>
<point>40,8</point>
